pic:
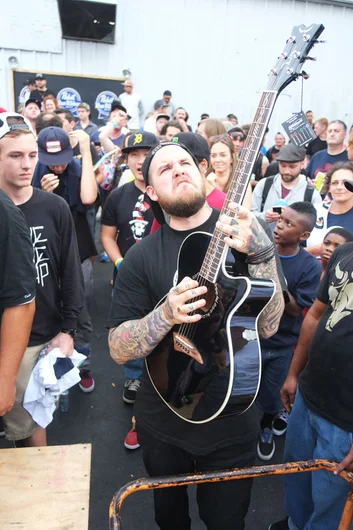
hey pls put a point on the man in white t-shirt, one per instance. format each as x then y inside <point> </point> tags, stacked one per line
<point>159,108</point>
<point>133,104</point>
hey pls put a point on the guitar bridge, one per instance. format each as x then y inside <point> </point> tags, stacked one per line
<point>184,345</point>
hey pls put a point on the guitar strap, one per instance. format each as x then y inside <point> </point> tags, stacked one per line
<point>308,195</point>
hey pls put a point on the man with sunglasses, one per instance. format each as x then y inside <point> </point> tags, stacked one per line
<point>59,282</point>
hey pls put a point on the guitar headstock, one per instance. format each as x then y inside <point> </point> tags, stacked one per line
<point>290,62</point>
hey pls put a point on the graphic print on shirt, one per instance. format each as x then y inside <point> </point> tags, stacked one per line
<point>138,224</point>
<point>341,297</point>
<point>39,248</point>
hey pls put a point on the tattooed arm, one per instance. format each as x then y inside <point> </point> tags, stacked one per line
<point>271,315</point>
<point>136,339</point>
<point>246,235</point>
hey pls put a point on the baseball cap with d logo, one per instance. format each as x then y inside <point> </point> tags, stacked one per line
<point>142,140</point>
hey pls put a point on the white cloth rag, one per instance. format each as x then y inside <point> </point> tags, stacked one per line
<point>44,389</point>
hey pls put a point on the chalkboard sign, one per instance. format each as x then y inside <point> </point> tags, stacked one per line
<point>72,89</point>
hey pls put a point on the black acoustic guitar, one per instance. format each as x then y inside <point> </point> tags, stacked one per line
<point>213,367</point>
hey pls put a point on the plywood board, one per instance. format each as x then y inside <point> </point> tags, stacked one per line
<point>45,488</point>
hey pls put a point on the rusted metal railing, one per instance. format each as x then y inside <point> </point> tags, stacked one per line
<point>234,474</point>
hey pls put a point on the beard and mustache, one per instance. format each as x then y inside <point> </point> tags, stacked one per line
<point>186,206</point>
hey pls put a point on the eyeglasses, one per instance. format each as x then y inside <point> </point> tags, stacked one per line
<point>10,122</point>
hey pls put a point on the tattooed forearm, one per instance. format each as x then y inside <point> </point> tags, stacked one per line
<point>271,315</point>
<point>136,339</point>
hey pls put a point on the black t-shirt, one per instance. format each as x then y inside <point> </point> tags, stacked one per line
<point>69,189</point>
<point>94,153</point>
<point>17,273</point>
<point>316,145</point>
<point>326,383</point>
<point>59,287</point>
<point>127,210</point>
<point>40,94</point>
<point>145,277</point>
<point>272,153</point>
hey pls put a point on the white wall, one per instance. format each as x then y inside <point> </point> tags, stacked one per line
<point>214,55</point>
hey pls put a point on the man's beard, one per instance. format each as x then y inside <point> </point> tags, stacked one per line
<point>291,178</point>
<point>185,206</point>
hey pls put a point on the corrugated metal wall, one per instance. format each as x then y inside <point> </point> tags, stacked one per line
<point>214,55</point>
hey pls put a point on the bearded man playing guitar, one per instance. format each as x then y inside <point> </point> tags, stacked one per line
<point>171,445</point>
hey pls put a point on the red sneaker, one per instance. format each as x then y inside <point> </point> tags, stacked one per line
<point>131,441</point>
<point>87,382</point>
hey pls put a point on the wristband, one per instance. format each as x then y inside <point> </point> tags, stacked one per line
<point>262,256</point>
<point>118,263</point>
<point>71,332</point>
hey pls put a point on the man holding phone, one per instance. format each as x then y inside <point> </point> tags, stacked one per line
<point>288,186</point>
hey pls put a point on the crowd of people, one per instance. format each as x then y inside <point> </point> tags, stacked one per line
<point>151,182</point>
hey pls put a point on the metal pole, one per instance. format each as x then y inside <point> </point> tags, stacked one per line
<point>222,476</point>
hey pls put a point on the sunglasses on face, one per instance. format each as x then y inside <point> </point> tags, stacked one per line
<point>237,136</point>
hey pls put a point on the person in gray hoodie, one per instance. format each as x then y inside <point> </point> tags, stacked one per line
<point>288,186</point>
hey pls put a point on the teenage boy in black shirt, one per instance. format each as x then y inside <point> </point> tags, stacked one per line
<point>318,393</point>
<point>59,296</point>
<point>126,219</point>
<point>58,172</point>
<point>302,272</point>
<point>17,292</point>
<point>170,445</point>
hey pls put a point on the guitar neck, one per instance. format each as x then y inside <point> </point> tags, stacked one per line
<point>239,181</point>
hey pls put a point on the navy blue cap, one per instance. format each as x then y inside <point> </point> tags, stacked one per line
<point>54,148</point>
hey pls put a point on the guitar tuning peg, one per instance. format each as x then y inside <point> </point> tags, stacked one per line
<point>305,75</point>
<point>311,59</point>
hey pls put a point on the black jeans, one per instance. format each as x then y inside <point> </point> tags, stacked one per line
<point>222,505</point>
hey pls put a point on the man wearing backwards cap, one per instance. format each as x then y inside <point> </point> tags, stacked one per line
<point>133,104</point>
<point>59,284</point>
<point>198,146</point>
<point>171,445</point>
<point>128,215</point>
<point>32,110</point>
<point>288,186</point>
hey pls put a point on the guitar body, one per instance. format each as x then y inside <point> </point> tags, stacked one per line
<point>212,368</point>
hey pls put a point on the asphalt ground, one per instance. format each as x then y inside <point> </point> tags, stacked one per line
<point>103,419</point>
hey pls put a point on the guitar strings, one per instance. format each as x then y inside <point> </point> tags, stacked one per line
<point>188,329</point>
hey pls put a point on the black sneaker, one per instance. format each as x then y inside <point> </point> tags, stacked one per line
<point>280,525</point>
<point>131,388</point>
<point>280,422</point>
<point>266,445</point>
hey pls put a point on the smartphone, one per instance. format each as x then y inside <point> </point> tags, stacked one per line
<point>277,209</point>
<point>97,144</point>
